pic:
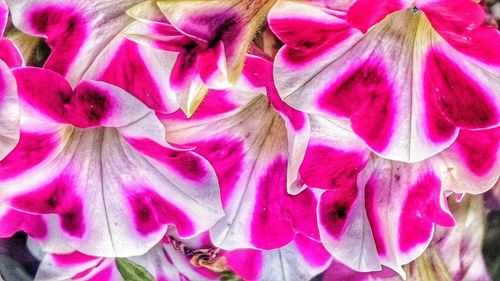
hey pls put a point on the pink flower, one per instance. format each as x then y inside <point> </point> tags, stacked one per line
<point>405,76</point>
<point>210,37</point>
<point>95,160</point>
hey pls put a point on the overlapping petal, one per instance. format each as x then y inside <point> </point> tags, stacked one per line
<point>9,111</point>
<point>210,37</point>
<point>252,139</point>
<point>97,152</point>
<point>460,248</point>
<point>87,42</point>
<point>13,221</point>
<point>373,211</point>
<point>403,87</point>
<point>77,266</point>
<point>472,162</point>
<point>301,259</point>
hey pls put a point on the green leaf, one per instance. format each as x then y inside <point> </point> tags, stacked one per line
<point>229,276</point>
<point>131,271</point>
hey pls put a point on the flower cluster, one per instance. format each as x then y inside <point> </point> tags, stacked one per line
<point>253,139</point>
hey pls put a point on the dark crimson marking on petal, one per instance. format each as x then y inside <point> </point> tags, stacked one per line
<point>184,70</point>
<point>247,263</point>
<point>151,212</point>
<point>31,150</point>
<point>89,106</point>
<point>421,209</point>
<point>56,197</point>
<point>224,29</point>
<point>187,164</point>
<point>437,127</point>
<point>271,226</point>
<point>334,209</point>
<point>46,91</point>
<point>308,39</point>
<point>71,220</point>
<point>223,26</point>
<point>371,206</point>
<point>312,251</point>
<point>226,156</point>
<point>9,53</point>
<point>13,221</point>
<point>328,168</point>
<point>479,149</point>
<point>129,71</point>
<point>460,99</point>
<point>65,29</point>
<point>365,95</point>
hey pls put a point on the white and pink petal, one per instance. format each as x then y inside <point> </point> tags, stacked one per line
<point>472,163</point>
<point>251,159</point>
<point>401,115</point>
<point>9,111</point>
<point>302,259</point>
<point>118,167</point>
<point>404,202</point>
<point>86,46</point>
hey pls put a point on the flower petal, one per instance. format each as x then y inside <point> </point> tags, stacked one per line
<point>472,163</point>
<point>361,81</point>
<point>460,247</point>
<point>212,39</point>
<point>233,23</point>
<point>9,111</point>
<point>4,16</point>
<point>410,197</point>
<point>10,54</point>
<point>300,260</point>
<point>13,221</point>
<point>251,158</point>
<point>118,167</point>
<point>365,13</point>
<point>86,42</point>
<point>462,23</point>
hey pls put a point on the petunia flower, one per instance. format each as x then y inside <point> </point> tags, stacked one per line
<point>211,39</point>
<point>87,41</point>
<point>255,143</point>
<point>405,76</point>
<point>376,211</point>
<point>95,161</point>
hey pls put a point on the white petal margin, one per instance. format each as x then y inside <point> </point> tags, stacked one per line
<point>9,111</point>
